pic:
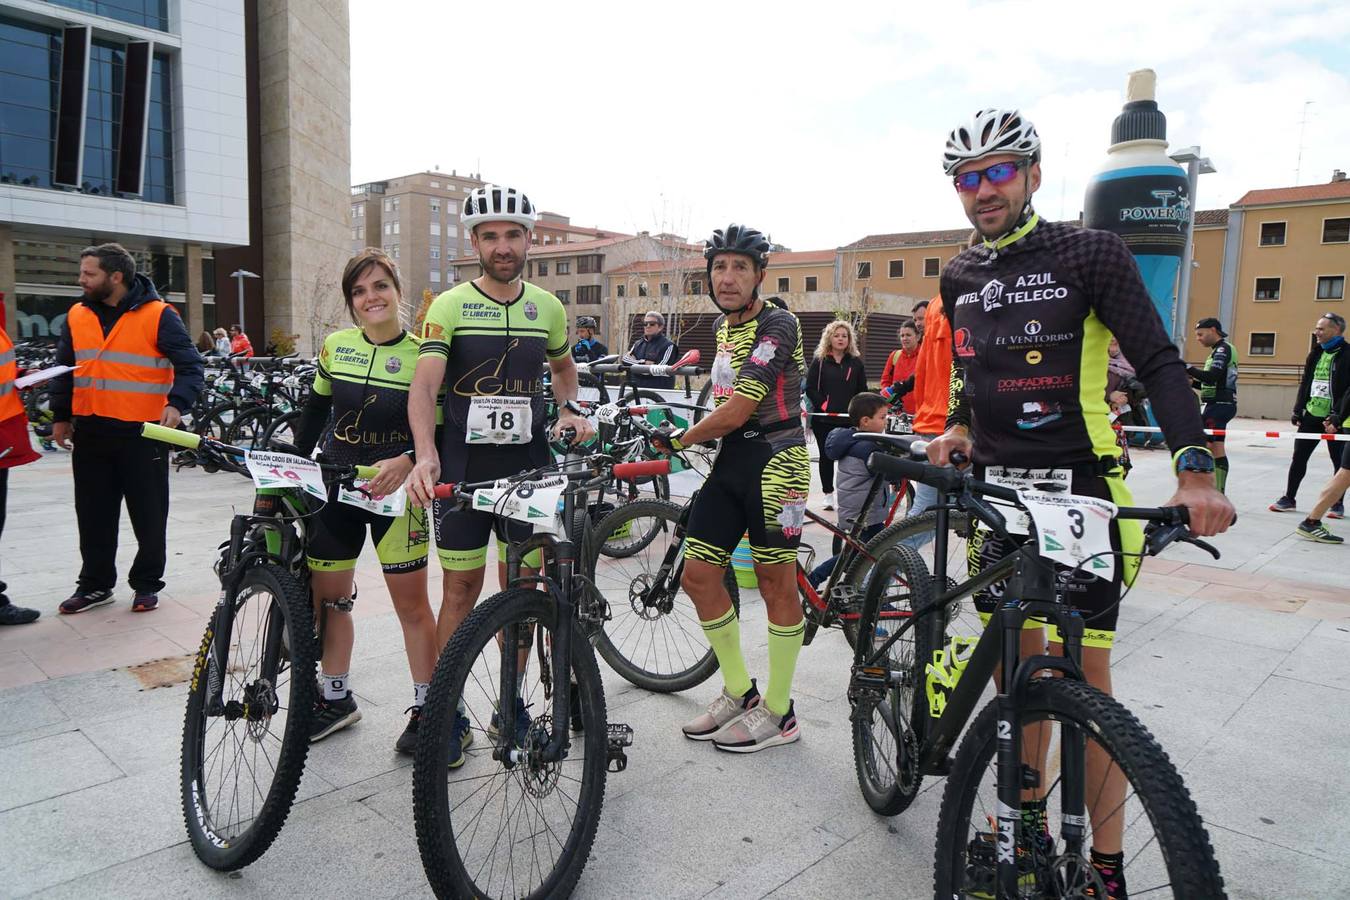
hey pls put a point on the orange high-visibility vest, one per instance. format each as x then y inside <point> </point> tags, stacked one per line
<point>122,376</point>
<point>10,405</point>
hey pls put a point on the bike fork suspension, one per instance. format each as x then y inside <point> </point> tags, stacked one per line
<point>1010,775</point>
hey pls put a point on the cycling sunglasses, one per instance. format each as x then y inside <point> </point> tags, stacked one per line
<point>1000,173</point>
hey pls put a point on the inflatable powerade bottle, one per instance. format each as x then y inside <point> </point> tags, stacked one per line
<point>1143,196</point>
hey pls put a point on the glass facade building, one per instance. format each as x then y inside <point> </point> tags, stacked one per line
<point>30,74</point>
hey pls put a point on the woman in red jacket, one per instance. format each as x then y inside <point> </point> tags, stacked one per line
<point>834,377</point>
<point>902,363</point>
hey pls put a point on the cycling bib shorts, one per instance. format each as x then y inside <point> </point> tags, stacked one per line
<point>753,488</point>
<point>1096,600</point>
<point>338,532</point>
<point>1216,416</point>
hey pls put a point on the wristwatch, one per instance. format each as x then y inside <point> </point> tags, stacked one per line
<point>1194,459</point>
<point>574,408</point>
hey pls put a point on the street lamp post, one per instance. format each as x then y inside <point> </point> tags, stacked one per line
<point>1196,165</point>
<point>239,275</point>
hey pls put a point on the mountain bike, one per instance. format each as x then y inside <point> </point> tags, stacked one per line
<point>1034,739</point>
<point>636,553</point>
<point>252,692</point>
<point>519,816</point>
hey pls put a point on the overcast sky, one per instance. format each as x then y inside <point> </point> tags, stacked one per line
<point>822,122</point>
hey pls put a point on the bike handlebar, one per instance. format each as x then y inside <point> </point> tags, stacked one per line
<point>190,441</point>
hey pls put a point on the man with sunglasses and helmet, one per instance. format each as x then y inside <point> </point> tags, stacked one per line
<point>588,348</point>
<point>1032,307</point>
<point>759,483</point>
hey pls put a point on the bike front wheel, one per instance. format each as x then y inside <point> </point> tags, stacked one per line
<point>486,828</point>
<point>241,766</point>
<point>1166,848</point>
<point>888,729</point>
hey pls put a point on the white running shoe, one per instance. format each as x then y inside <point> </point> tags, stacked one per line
<point>758,729</point>
<point>724,709</point>
<point>829,500</point>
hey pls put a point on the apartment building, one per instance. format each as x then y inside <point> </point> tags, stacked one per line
<point>415,219</point>
<point>156,123</point>
<point>904,265</point>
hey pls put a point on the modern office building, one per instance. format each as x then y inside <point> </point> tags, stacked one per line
<point>207,136</point>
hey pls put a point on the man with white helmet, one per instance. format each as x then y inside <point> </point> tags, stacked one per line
<point>1032,309</point>
<point>487,341</point>
<point>758,484</point>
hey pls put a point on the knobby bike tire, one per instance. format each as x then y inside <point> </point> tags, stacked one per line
<point>250,427</point>
<point>887,736</point>
<point>1181,840</point>
<point>442,860</point>
<point>282,424</point>
<point>635,666</point>
<point>291,641</point>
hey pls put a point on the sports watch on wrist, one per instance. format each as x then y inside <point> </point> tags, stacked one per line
<point>1194,459</point>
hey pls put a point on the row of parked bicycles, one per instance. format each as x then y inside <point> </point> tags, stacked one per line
<point>519,819</point>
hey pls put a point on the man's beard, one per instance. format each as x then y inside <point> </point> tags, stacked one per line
<point>98,294</point>
<point>489,269</point>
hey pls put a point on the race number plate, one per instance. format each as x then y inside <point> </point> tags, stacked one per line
<point>608,414</point>
<point>1071,528</point>
<point>498,420</point>
<point>1055,480</point>
<point>282,470</point>
<point>388,505</point>
<point>535,502</point>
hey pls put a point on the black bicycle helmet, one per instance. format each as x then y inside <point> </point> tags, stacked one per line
<point>738,239</point>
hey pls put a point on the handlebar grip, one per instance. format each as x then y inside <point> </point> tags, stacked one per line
<point>958,458</point>
<point>443,491</point>
<point>367,472</point>
<point>171,436</point>
<point>939,477</point>
<point>642,469</point>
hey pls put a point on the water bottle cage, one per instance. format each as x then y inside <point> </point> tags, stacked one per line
<point>945,671</point>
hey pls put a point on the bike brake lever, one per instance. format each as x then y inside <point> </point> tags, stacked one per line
<point>1203,545</point>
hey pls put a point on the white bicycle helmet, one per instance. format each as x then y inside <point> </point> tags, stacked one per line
<point>492,203</point>
<point>991,131</point>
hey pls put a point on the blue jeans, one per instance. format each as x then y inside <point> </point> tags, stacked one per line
<point>925,498</point>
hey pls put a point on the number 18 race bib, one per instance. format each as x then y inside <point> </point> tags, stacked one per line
<point>498,420</point>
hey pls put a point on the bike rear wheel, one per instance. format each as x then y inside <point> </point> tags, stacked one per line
<point>658,647</point>
<point>1167,850</point>
<point>486,830</point>
<point>888,730</point>
<point>240,770</point>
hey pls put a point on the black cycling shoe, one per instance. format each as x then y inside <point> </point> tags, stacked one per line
<point>407,741</point>
<point>333,715</point>
<point>17,615</point>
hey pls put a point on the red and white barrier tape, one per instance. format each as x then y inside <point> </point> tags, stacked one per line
<point>1226,432</point>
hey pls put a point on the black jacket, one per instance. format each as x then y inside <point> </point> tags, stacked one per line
<point>656,351</point>
<point>1340,382</point>
<point>589,351</point>
<point>830,385</point>
<point>173,341</point>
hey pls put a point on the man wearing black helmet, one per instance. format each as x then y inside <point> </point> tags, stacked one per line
<point>1217,383</point>
<point>588,348</point>
<point>1032,308</point>
<point>759,483</point>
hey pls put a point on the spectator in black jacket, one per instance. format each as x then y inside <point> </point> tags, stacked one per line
<point>588,348</point>
<point>1322,391</point>
<point>654,349</point>
<point>110,460</point>
<point>836,374</point>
